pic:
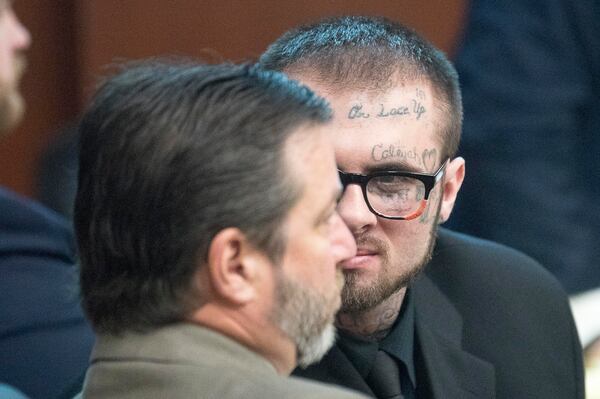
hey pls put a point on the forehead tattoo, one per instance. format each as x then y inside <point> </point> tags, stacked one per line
<point>396,156</point>
<point>411,108</point>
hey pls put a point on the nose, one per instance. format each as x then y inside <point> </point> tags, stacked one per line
<point>342,241</point>
<point>21,36</point>
<point>354,210</point>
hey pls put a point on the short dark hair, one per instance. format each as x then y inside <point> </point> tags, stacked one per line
<point>170,154</point>
<point>357,52</point>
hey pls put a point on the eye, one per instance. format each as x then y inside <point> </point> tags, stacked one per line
<point>391,185</point>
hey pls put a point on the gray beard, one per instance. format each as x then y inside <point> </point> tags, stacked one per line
<point>306,317</point>
<point>12,104</point>
<point>11,110</point>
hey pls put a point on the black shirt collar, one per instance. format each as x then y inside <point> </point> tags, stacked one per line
<point>399,343</point>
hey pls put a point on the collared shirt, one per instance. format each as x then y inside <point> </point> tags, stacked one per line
<point>399,343</point>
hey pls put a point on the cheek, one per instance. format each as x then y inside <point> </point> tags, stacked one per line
<point>399,229</point>
<point>320,263</point>
<point>320,254</point>
<point>403,236</point>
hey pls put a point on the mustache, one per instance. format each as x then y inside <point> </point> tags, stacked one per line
<point>372,243</point>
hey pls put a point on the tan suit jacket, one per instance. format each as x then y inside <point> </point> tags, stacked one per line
<point>188,361</point>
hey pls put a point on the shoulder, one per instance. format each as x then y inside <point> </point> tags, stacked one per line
<point>199,360</point>
<point>465,260</point>
<point>496,287</point>
<point>298,387</point>
<point>27,227</point>
<point>505,308</point>
<point>288,387</point>
<point>37,265</point>
<point>451,242</point>
<point>148,378</point>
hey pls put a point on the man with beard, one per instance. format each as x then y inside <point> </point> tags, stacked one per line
<point>209,238</point>
<point>44,338</point>
<point>426,313</point>
<point>14,40</point>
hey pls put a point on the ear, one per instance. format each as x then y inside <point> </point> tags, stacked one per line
<point>233,267</point>
<point>453,179</point>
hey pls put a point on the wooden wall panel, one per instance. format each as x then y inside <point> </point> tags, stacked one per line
<point>233,29</point>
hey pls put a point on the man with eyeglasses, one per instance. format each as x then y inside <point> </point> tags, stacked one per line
<point>426,313</point>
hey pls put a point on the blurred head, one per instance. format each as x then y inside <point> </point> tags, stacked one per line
<point>14,40</point>
<point>201,184</point>
<point>309,280</point>
<point>397,107</point>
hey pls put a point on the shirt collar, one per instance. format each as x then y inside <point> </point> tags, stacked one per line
<point>399,343</point>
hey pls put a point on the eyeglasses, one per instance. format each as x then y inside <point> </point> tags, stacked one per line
<point>395,194</point>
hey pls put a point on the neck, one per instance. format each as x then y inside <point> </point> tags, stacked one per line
<point>261,338</point>
<point>374,323</point>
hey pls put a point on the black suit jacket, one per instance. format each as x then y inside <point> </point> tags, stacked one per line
<point>490,322</point>
<point>45,341</point>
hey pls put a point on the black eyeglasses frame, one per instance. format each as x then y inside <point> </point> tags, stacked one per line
<point>429,181</point>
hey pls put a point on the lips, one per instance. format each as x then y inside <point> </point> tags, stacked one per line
<point>365,252</point>
<point>364,258</point>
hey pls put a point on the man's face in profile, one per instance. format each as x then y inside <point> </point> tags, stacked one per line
<point>309,279</point>
<point>14,39</point>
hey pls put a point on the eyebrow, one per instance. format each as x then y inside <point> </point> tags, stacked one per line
<point>393,166</point>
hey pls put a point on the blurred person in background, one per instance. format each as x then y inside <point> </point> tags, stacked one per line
<point>530,74</point>
<point>57,177</point>
<point>44,339</point>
